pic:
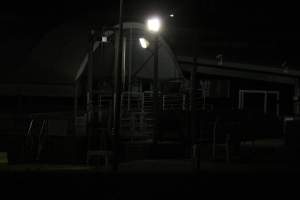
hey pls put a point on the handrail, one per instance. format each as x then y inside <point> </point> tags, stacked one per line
<point>40,145</point>
<point>30,127</point>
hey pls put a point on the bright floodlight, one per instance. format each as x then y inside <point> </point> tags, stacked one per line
<point>144,43</point>
<point>104,39</point>
<point>153,24</point>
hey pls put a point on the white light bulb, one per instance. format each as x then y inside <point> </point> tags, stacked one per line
<point>154,24</point>
<point>144,43</point>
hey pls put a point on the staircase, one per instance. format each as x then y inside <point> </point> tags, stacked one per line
<point>104,99</point>
<point>131,101</point>
<point>147,102</point>
<point>200,99</point>
<point>34,139</point>
<point>99,135</point>
<point>174,102</point>
<point>136,126</point>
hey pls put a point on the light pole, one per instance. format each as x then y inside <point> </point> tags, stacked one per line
<point>154,25</point>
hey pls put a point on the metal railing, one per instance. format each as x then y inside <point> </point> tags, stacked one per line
<point>38,140</point>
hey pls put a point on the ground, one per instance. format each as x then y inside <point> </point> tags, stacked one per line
<point>262,176</point>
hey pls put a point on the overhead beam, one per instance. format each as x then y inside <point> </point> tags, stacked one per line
<point>241,67</point>
<point>239,74</point>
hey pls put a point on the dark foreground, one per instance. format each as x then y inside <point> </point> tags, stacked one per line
<point>152,179</point>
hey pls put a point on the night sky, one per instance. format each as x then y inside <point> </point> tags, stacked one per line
<point>270,29</point>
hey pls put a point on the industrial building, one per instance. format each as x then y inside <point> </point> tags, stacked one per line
<point>149,99</point>
<point>63,101</point>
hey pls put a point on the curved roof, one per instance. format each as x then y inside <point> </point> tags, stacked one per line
<point>58,56</point>
<point>62,56</point>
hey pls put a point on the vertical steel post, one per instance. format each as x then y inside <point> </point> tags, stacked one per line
<point>75,132</point>
<point>193,107</point>
<point>117,93</point>
<point>296,96</point>
<point>75,107</point>
<point>193,112</point>
<point>155,90</point>
<point>90,88</point>
<point>124,62</point>
<point>193,101</point>
<point>130,67</point>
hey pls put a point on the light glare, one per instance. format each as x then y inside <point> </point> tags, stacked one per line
<point>154,24</point>
<point>144,43</point>
<point>104,39</point>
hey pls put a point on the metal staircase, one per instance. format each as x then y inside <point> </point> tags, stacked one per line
<point>147,104</point>
<point>137,110</point>
<point>136,125</point>
<point>100,137</point>
<point>131,101</point>
<point>137,117</point>
<point>173,102</point>
<point>200,99</point>
<point>104,99</point>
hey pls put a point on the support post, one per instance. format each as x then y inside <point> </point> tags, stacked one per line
<point>155,90</point>
<point>130,67</point>
<point>117,92</point>
<point>193,109</point>
<point>124,40</point>
<point>89,102</point>
<point>296,96</point>
<point>75,108</point>
<point>74,131</point>
<point>193,112</point>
